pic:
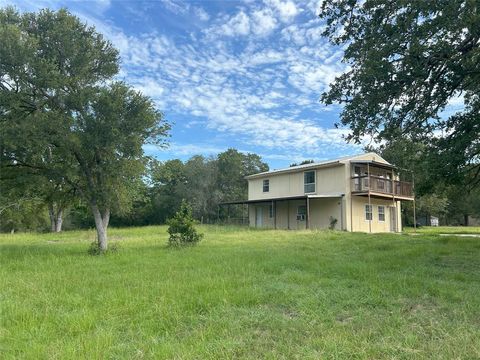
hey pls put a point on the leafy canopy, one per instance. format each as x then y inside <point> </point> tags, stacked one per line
<point>63,116</point>
<point>407,61</point>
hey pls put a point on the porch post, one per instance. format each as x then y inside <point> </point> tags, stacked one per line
<point>369,200</point>
<point>414,214</point>
<point>341,211</point>
<point>288,214</point>
<point>394,202</point>
<point>274,209</point>
<point>307,223</point>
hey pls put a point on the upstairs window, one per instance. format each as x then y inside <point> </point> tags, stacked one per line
<point>309,181</point>
<point>381,213</point>
<point>368,212</point>
<point>266,185</point>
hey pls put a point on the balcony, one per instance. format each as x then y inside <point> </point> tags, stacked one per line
<point>381,187</point>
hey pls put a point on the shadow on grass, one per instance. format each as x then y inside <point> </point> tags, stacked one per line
<point>9,252</point>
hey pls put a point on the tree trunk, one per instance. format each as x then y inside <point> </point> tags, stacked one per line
<point>51,214</point>
<point>56,217</point>
<point>101,224</point>
<point>59,221</point>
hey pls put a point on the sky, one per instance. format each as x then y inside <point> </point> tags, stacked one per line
<point>228,74</point>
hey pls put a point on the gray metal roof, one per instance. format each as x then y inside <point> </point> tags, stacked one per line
<point>325,163</point>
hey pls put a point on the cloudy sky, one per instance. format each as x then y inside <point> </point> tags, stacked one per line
<point>242,74</point>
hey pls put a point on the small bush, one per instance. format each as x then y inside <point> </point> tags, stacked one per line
<point>94,249</point>
<point>181,228</point>
<point>333,223</point>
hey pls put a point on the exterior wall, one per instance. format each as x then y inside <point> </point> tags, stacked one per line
<point>335,179</point>
<point>264,208</point>
<point>327,180</point>
<point>286,214</point>
<point>322,209</point>
<point>359,222</point>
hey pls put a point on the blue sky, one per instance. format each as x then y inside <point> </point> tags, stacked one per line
<point>242,74</point>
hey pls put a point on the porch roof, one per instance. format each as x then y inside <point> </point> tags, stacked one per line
<point>374,163</point>
<point>300,197</point>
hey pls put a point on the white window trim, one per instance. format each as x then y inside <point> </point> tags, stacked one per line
<point>263,185</point>
<point>365,213</point>
<point>378,211</point>
<point>314,182</point>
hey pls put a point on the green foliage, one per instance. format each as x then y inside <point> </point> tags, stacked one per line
<point>333,223</point>
<point>408,61</point>
<point>63,117</point>
<point>232,167</point>
<point>182,227</point>
<point>205,182</point>
<point>304,162</point>
<point>94,249</point>
<point>241,295</point>
<point>451,202</point>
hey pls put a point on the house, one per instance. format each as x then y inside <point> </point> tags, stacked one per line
<point>355,193</point>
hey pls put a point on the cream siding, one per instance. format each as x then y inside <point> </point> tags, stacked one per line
<point>327,181</point>
<point>332,179</point>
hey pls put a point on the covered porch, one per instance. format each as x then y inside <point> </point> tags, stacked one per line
<point>296,212</point>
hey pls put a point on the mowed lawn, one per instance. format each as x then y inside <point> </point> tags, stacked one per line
<point>240,294</point>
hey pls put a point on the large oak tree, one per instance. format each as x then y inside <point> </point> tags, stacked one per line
<point>408,60</point>
<point>62,115</point>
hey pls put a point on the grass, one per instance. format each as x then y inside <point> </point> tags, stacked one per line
<point>433,230</point>
<point>240,294</point>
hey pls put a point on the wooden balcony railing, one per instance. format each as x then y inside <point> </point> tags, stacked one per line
<point>382,185</point>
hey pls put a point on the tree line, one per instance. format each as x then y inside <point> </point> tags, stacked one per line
<point>204,182</point>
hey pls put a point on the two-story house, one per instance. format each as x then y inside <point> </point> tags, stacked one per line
<point>356,193</point>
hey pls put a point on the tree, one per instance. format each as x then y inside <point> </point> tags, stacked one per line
<point>55,104</point>
<point>407,61</point>
<point>304,162</point>
<point>181,227</point>
<point>168,181</point>
<point>233,166</point>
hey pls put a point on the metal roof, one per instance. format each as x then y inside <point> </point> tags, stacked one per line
<point>326,163</point>
<point>300,197</point>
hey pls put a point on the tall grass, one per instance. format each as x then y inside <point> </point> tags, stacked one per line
<point>240,294</point>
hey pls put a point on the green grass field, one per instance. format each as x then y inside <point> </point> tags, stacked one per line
<point>445,230</point>
<point>240,294</point>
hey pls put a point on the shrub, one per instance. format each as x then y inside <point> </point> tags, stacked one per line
<point>333,223</point>
<point>94,249</point>
<point>181,227</point>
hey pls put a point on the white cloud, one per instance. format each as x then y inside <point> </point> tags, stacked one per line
<point>236,25</point>
<point>287,9</point>
<point>201,14</point>
<point>235,81</point>
<point>263,22</point>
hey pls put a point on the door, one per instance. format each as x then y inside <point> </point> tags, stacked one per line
<point>258,216</point>
<point>393,219</point>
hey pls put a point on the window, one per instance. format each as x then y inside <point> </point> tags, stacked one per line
<point>309,181</point>
<point>368,212</point>
<point>357,171</point>
<point>381,213</point>
<point>271,211</point>
<point>266,185</point>
<point>301,212</point>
